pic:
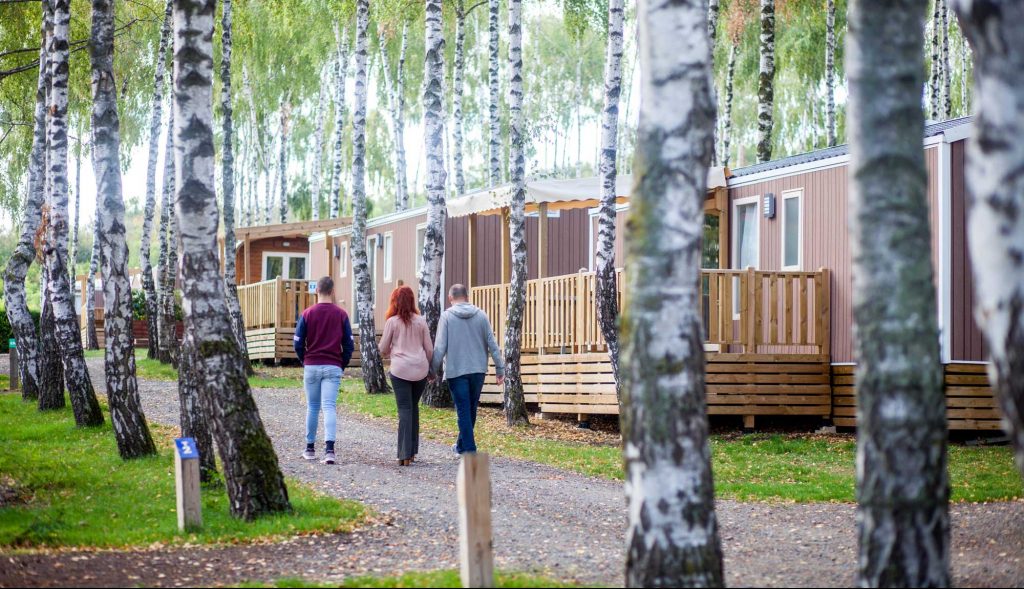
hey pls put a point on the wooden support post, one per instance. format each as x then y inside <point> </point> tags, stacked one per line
<point>506,248</point>
<point>825,313</point>
<point>12,364</point>
<point>748,422</point>
<point>722,201</point>
<point>329,246</point>
<point>245,261</point>
<point>752,309</point>
<point>542,241</point>
<point>186,479</point>
<point>471,280</point>
<point>279,304</point>
<point>475,540</point>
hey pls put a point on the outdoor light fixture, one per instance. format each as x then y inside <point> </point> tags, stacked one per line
<point>769,205</point>
<point>286,243</point>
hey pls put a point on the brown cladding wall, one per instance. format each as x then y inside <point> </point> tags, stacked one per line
<point>256,249</point>
<point>968,342</point>
<point>825,235</point>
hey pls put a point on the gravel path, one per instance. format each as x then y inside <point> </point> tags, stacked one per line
<point>545,520</point>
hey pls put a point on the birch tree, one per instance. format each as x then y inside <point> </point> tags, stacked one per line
<point>672,535</point>
<point>766,82</point>
<point>432,263</point>
<point>194,423</point>
<point>458,85</point>
<point>713,11</point>
<point>372,364</point>
<point>126,416</point>
<point>254,482</point>
<point>607,290</point>
<point>91,341</point>
<point>395,96</point>
<point>15,298</point>
<point>340,77</point>
<point>148,283</point>
<point>227,177</point>
<point>167,325</point>
<point>730,75</point>
<point>947,76</point>
<point>995,181</point>
<point>514,399</point>
<point>935,73</point>
<point>51,380</point>
<point>902,485</point>
<point>494,168</point>
<point>282,161</point>
<point>830,71</point>
<point>318,149</point>
<point>73,244</point>
<point>76,374</point>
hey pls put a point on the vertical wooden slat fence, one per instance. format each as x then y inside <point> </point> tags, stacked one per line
<point>270,311</point>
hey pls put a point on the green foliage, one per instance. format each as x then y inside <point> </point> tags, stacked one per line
<point>80,493</point>
<point>5,327</point>
<point>448,578</point>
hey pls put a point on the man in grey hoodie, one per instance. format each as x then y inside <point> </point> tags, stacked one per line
<point>464,340</point>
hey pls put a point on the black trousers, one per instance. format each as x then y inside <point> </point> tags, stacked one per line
<point>407,397</point>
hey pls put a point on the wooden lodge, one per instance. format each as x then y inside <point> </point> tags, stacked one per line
<point>777,286</point>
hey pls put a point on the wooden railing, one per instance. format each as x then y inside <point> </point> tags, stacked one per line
<point>274,303</point>
<point>744,311</point>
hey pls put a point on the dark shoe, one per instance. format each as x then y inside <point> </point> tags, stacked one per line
<point>329,457</point>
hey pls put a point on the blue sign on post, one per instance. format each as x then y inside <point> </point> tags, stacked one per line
<point>12,344</point>
<point>312,287</point>
<point>187,448</point>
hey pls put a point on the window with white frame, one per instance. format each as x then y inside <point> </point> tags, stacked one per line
<point>292,266</point>
<point>389,246</point>
<point>343,259</point>
<point>745,242</point>
<point>792,230</point>
<point>421,242</point>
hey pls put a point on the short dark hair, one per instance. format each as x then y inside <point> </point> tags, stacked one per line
<point>458,291</point>
<point>325,286</point>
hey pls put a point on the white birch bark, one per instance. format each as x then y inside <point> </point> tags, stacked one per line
<point>253,478</point>
<point>73,244</point>
<point>514,400</point>
<point>318,149</point>
<point>494,127</point>
<point>372,364</point>
<point>902,486</point>
<point>995,181</point>
<point>15,298</point>
<point>458,85</point>
<point>167,351</point>
<point>607,294</point>
<point>766,82</point>
<point>947,82</point>
<point>129,422</point>
<point>432,263</point>
<point>830,71</point>
<point>340,77</point>
<point>282,161</point>
<point>76,374</point>
<point>713,12</point>
<point>935,72</point>
<point>730,74</point>
<point>91,339</point>
<point>672,535</point>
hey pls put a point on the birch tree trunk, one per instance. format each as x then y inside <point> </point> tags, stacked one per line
<point>713,11</point>
<point>73,244</point>
<point>995,181</point>
<point>902,486</point>
<point>672,535</point>
<point>607,294</point>
<point>254,481</point>
<point>194,423</point>
<point>91,340</point>
<point>340,76</point>
<point>76,374</point>
<point>168,352</point>
<point>148,284</point>
<point>15,298</point>
<point>730,74</point>
<point>51,380</point>
<point>947,82</point>
<point>494,169</point>
<point>458,85</point>
<point>282,163</point>
<point>432,265</point>
<point>126,416</point>
<point>766,82</point>
<point>402,173</point>
<point>372,364</point>
<point>830,71</point>
<point>318,149</point>
<point>935,74</point>
<point>514,400</point>
<point>227,177</point>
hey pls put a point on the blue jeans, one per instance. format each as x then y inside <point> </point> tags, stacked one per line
<point>466,395</point>
<point>322,384</point>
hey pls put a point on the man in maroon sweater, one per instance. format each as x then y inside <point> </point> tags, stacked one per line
<point>323,343</point>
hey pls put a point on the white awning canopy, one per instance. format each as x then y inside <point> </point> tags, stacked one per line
<point>557,194</point>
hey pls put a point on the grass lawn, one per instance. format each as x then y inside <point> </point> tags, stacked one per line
<point>428,579</point>
<point>752,467</point>
<point>265,378</point>
<point>66,486</point>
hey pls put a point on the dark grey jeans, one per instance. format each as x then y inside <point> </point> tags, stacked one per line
<point>407,397</point>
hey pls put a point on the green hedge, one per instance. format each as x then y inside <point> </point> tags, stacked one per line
<point>5,327</point>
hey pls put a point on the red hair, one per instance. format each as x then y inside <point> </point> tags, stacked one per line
<point>403,304</point>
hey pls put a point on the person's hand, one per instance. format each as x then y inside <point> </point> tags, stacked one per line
<point>501,380</point>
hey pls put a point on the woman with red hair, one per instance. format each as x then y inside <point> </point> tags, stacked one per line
<point>407,342</point>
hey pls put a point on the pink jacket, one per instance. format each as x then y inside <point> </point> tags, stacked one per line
<point>408,346</point>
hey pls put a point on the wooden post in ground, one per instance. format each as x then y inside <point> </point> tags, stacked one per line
<point>186,479</point>
<point>476,553</point>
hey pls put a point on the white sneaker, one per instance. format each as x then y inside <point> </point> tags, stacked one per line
<point>309,455</point>
<point>329,457</point>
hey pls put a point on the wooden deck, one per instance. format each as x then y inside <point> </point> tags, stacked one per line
<point>270,310</point>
